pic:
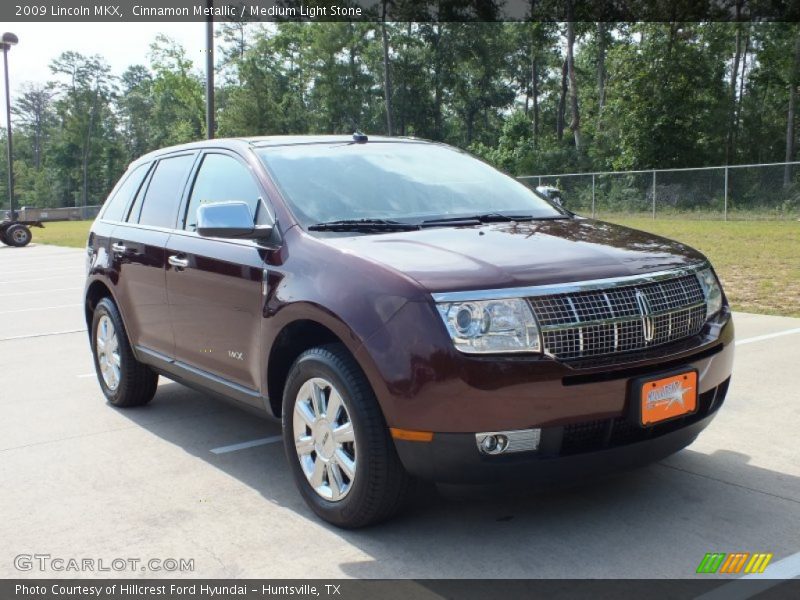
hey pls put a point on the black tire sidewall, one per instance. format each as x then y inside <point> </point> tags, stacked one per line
<point>322,363</point>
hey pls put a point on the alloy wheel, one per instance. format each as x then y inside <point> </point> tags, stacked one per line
<point>108,356</point>
<point>324,439</point>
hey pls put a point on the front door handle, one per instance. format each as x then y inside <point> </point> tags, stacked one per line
<point>179,263</point>
<point>118,248</point>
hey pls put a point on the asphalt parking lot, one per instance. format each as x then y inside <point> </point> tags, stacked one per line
<point>189,477</point>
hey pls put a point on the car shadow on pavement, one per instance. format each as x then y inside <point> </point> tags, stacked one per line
<point>656,521</point>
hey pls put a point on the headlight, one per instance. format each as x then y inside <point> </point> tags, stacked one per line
<point>712,290</point>
<point>488,326</point>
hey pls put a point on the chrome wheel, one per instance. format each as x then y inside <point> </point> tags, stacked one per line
<point>324,439</point>
<point>108,357</point>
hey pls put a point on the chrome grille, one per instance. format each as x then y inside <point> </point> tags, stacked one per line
<point>620,319</point>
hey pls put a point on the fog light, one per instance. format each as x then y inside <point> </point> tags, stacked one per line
<point>494,444</point>
<point>498,442</point>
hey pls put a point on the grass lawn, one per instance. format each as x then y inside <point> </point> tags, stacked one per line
<point>63,233</point>
<point>758,261</point>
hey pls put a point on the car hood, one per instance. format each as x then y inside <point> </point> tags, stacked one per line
<point>518,254</point>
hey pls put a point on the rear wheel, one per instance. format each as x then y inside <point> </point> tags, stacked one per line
<point>337,442</point>
<point>124,380</point>
<point>18,235</point>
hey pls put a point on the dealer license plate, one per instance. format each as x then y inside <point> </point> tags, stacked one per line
<point>667,398</point>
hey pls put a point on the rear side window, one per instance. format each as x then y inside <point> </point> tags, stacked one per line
<point>136,207</point>
<point>116,204</point>
<point>160,206</point>
<point>221,178</point>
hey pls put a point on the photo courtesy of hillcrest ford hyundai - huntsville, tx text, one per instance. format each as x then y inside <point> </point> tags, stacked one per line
<point>409,313</point>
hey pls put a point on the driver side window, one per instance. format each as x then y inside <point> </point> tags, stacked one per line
<point>221,178</point>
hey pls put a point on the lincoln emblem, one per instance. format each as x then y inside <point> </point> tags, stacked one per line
<point>648,326</point>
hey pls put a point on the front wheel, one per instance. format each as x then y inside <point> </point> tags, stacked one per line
<point>337,442</point>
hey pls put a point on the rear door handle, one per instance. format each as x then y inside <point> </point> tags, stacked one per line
<point>179,263</point>
<point>118,247</point>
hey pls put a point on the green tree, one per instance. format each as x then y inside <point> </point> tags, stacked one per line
<point>178,113</point>
<point>270,97</point>
<point>666,99</point>
<point>136,108</point>
<point>85,151</point>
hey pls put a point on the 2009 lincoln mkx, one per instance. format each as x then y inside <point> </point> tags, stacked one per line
<point>408,312</point>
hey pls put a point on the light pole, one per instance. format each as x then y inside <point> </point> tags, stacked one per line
<point>8,40</point>
<point>210,125</point>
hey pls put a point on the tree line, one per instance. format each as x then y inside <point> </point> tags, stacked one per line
<point>529,97</point>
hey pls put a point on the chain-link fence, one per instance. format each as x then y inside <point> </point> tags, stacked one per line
<point>743,192</point>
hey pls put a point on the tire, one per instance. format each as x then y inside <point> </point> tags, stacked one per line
<point>18,235</point>
<point>132,383</point>
<point>380,486</point>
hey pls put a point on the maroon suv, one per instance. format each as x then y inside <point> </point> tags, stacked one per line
<point>406,310</point>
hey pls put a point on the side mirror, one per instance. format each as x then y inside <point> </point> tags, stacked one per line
<point>553,194</point>
<point>231,220</point>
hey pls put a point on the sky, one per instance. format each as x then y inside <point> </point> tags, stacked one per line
<point>121,44</point>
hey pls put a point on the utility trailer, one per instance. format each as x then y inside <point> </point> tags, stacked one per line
<point>17,233</point>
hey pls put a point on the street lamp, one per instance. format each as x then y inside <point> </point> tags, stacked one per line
<point>8,40</point>
<point>210,125</point>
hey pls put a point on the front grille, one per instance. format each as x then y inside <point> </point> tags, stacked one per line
<point>620,319</point>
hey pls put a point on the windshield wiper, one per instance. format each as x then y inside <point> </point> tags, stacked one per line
<point>389,225</point>
<point>493,217</point>
<point>363,225</point>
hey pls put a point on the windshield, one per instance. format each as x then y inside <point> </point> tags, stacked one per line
<point>399,181</point>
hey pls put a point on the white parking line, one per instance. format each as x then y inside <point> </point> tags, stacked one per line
<point>40,279</point>
<point>40,255</point>
<point>776,573</point>
<point>49,262</point>
<point>85,375</point>
<point>245,445</point>
<point>35,335</point>
<point>19,310</point>
<point>768,336</point>
<point>786,568</point>
<point>47,291</point>
<point>78,267</point>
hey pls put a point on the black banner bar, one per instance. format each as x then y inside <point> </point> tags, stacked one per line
<point>312,589</point>
<point>400,10</point>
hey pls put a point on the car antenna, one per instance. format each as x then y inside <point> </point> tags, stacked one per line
<point>360,138</point>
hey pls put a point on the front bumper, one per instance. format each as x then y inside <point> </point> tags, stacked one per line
<point>566,453</point>
<point>581,408</point>
<point>425,385</point>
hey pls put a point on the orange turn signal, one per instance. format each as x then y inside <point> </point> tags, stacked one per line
<point>410,435</point>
